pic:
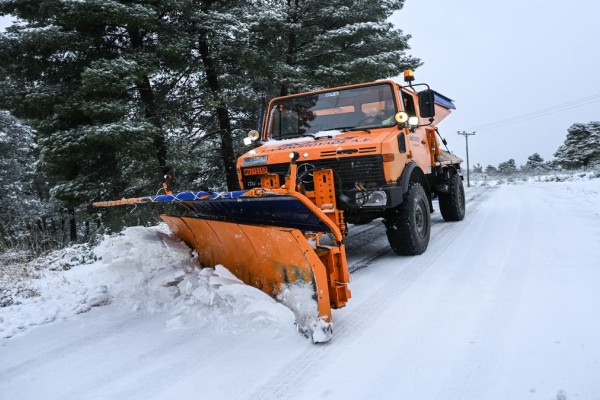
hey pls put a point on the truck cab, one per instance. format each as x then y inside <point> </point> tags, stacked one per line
<point>379,139</point>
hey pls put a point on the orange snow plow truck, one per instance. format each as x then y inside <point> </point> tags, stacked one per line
<point>326,158</point>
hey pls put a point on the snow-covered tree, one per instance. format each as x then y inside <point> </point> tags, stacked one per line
<point>80,72</point>
<point>17,159</point>
<point>552,165</point>
<point>581,147</point>
<point>507,167</point>
<point>477,168</point>
<point>307,44</point>
<point>535,163</point>
<point>491,170</point>
<point>22,193</point>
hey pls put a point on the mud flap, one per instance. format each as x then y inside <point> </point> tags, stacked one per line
<point>278,260</point>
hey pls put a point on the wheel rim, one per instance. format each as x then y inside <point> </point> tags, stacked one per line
<point>420,222</point>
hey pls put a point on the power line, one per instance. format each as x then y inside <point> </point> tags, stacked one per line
<point>541,113</point>
<point>523,119</point>
<point>535,114</point>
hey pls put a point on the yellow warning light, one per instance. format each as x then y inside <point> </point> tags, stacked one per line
<point>401,117</point>
<point>409,75</point>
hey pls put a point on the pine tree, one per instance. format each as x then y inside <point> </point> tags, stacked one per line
<point>22,193</point>
<point>308,44</point>
<point>220,32</point>
<point>535,163</point>
<point>491,170</point>
<point>581,147</point>
<point>81,72</point>
<point>507,167</point>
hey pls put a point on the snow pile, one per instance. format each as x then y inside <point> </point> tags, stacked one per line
<point>565,177</point>
<point>146,270</point>
<point>299,299</point>
<point>216,298</point>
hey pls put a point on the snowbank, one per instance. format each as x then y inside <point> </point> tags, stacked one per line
<point>479,179</point>
<point>147,270</point>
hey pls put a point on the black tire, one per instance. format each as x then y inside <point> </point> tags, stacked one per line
<point>452,204</point>
<point>408,226</point>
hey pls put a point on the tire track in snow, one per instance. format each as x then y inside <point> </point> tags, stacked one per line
<point>411,270</point>
<point>493,324</point>
<point>373,241</point>
<point>292,376</point>
<point>375,245</point>
<point>493,319</point>
<point>164,366</point>
<point>65,349</point>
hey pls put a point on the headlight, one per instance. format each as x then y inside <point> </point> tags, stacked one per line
<point>251,161</point>
<point>377,198</point>
<point>413,122</point>
<point>253,136</point>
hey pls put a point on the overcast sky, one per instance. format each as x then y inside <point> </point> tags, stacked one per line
<point>504,59</point>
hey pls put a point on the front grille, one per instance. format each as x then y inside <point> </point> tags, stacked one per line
<point>367,170</point>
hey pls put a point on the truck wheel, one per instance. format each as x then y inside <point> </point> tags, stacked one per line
<point>452,204</point>
<point>408,226</point>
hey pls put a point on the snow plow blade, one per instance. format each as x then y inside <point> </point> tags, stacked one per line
<point>269,239</point>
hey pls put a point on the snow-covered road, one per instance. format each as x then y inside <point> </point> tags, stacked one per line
<point>503,305</point>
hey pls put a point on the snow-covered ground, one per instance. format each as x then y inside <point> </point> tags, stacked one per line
<point>503,305</point>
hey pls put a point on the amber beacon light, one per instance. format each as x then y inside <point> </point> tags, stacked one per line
<point>409,75</point>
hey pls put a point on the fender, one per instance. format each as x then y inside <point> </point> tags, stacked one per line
<point>412,173</point>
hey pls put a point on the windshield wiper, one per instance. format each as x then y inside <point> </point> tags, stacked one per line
<point>354,128</point>
<point>343,128</point>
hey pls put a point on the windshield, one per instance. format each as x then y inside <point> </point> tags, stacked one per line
<point>359,108</point>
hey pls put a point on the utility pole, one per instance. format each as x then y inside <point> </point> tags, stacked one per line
<point>466,135</point>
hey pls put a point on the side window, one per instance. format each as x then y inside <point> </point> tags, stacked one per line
<point>285,123</point>
<point>408,104</point>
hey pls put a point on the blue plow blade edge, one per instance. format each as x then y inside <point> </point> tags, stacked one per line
<point>271,209</point>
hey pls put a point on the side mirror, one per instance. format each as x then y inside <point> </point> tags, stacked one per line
<point>426,104</point>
